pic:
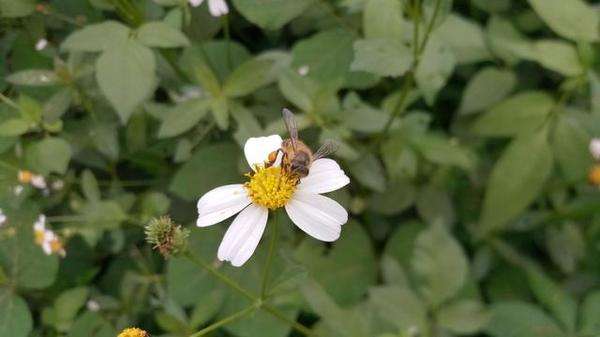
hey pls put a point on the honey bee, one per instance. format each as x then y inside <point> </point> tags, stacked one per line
<point>297,156</point>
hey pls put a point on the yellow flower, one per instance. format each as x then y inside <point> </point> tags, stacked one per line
<point>133,332</point>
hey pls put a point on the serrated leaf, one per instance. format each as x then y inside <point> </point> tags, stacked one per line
<point>160,34</point>
<point>512,185</point>
<point>254,74</point>
<point>125,73</point>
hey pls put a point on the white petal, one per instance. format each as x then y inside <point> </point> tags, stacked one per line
<point>318,216</point>
<point>325,175</point>
<point>595,148</point>
<point>196,3</point>
<point>217,7</point>
<point>257,149</point>
<point>242,237</point>
<point>221,203</point>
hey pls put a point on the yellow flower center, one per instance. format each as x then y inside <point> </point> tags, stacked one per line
<point>133,332</point>
<point>271,187</point>
<point>39,236</point>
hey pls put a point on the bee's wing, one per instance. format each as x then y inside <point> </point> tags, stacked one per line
<point>326,149</point>
<point>291,125</point>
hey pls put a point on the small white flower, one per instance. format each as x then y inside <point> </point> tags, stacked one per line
<point>38,181</point>
<point>58,185</point>
<point>93,305</point>
<point>215,7</point>
<point>595,148</point>
<point>18,190</point>
<point>2,218</point>
<point>271,188</point>
<point>303,71</point>
<point>41,44</point>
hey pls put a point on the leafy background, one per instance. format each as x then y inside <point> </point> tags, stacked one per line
<point>464,127</point>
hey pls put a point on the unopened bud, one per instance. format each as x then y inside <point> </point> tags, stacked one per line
<point>167,237</point>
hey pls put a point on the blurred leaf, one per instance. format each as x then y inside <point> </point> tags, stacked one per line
<point>15,9</point>
<point>125,73</point>
<point>34,77</point>
<point>89,186</point>
<point>573,19</point>
<point>254,74</point>
<point>435,206</point>
<point>434,70</point>
<point>463,317</point>
<point>442,151</point>
<point>65,308</point>
<point>571,142</point>
<point>210,167</point>
<point>555,299</point>
<point>351,257</point>
<point>559,56</point>
<point>183,117</point>
<point>518,319</point>
<point>486,88</point>
<point>105,214</point>
<point>565,245</point>
<point>512,185</point>
<point>56,106</point>
<point>91,324</point>
<point>590,314</point>
<point>14,127</point>
<point>397,197</point>
<point>400,307</point>
<point>368,171</point>
<point>465,37</point>
<point>362,117</point>
<point>385,57</point>
<point>522,113</point>
<point>15,318</point>
<point>160,34</point>
<point>52,154</point>
<point>383,19</point>
<point>440,264</point>
<point>106,139</point>
<point>97,37</point>
<point>271,14</point>
<point>298,89</point>
<point>219,107</point>
<point>507,42</point>
<point>25,263</point>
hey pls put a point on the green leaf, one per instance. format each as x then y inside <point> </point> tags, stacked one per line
<point>464,317</point>
<point>522,113</point>
<point>351,257</point>
<point>385,57</point>
<point>566,245</point>
<point>34,77</point>
<point>92,324</point>
<point>465,37</point>
<point>160,34</point>
<point>14,127</point>
<point>97,37</point>
<point>210,167</point>
<point>327,55</point>
<point>397,197</point>
<point>435,206</point>
<point>255,74</point>
<point>571,142</point>
<point>486,88</point>
<point>513,186</point>
<point>298,89</point>
<point>183,117</point>
<point>65,308</point>
<point>15,318</point>
<point>56,106</point>
<point>434,70</point>
<point>368,171</point>
<point>559,56</point>
<point>440,265</point>
<point>572,19</point>
<point>440,150</point>
<point>383,19</point>
<point>400,307</point>
<point>507,42</point>
<point>125,73</point>
<point>16,8</point>
<point>89,186</point>
<point>52,154</point>
<point>590,314</point>
<point>271,14</point>
<point>104,214</point>
<point>25,263</point>
<point>555,299</point>
<point>518,319</point>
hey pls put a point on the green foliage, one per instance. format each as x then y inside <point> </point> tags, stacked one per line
<point>464,126</point>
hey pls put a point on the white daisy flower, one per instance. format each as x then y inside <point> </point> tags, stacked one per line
<point>38,181</point>
<point>2,218</point>
<point>595,148</point>
<point>270,188</point>
<point>46,238</point>
<point>215,7</point>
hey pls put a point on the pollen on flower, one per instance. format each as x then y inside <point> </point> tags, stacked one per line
<point>271,187</point>
<point>133,332</point>
<point>594,175</point>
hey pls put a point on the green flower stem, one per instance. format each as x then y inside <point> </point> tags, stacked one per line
<point>258,302</point>
<point>409,80</point>
<point>272,244</point>
<point>224,321</point>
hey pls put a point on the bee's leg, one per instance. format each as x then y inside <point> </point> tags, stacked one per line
<point>272,158</point>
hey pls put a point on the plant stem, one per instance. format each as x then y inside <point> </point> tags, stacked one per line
<point>9,101</point>
<point>224,321</point>
<point>299,327</point>
<point>272,244</point>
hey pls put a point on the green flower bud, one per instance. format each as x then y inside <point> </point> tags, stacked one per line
<point>166,236</point>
